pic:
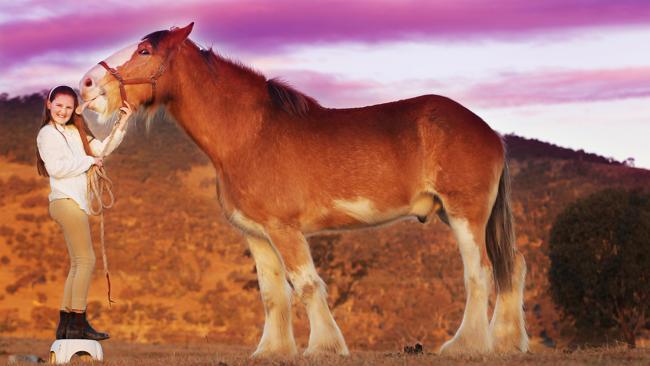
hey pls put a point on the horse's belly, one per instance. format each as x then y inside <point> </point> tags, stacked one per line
<point>350,214</point>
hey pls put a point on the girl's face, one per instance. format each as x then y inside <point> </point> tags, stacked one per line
<point>61,108</point>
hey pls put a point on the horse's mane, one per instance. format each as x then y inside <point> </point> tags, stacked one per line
<point>282,95</point>
<point>289,99</point>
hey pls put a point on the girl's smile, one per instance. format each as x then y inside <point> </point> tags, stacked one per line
<point>61,108</point>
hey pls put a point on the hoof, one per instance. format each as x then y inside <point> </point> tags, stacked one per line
<point>459,345</point>
<point>510,341</point>
<point>327,349</point>
<point>276,352</point>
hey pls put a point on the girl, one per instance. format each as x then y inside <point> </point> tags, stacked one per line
<point>66,150</point>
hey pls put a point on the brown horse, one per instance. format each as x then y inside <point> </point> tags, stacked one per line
<point>288,167</point>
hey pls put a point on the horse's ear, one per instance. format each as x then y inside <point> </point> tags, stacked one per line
<point>178,35</point>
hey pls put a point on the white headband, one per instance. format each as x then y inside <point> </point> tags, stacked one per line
<point>49,95</point>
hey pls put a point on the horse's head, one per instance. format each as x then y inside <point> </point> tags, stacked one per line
<point>132,73</point>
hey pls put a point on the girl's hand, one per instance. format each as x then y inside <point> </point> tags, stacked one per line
<point>126,113</point>
<point>99,162</point>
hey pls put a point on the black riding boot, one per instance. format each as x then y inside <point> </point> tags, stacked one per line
<point>64,318</point>
<point>79,328</point>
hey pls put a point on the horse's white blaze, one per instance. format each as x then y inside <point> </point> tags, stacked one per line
<point>96,91</point>
<point>472,335</point>
<point>122,56</point>
<point>361,209</point>
<point>97,73</point>
<point>325,336</point>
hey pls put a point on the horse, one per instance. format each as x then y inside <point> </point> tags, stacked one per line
<point>288,168</point>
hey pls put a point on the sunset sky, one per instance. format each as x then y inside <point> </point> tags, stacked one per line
<point>574,73</point>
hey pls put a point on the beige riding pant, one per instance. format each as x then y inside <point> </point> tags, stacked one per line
<point>76,229</point>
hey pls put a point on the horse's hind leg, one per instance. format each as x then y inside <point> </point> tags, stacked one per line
<point>277,338</point>
<point>507,326</point>
<point>472,336</point>
<point>325,336</point>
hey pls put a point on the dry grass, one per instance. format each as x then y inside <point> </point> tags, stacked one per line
<point>127,354</point>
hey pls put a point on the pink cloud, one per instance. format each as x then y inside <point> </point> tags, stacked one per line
<point>271,26</point>
<point>561,87</point>
<point>508,91</point>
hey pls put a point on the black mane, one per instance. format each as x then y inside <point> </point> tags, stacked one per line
<point>282,95</point>
<point>289,99</point>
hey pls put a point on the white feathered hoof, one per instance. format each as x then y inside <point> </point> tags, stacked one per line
<point>461,345</point>
<point>507,329</point>
<point>265,350</point>
<point>513,340</point>
<point>332,346</point>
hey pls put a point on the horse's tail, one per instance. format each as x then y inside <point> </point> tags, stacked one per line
<point>500,235</point>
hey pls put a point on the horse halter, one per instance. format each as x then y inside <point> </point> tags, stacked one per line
<point>150,80</point>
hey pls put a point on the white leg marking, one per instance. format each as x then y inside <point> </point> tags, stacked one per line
<point>472,335</point>
<point>508,328</point>
<point>325,337</point>
<point>277,337</point>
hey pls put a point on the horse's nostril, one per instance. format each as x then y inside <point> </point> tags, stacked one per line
<point>88,82</point>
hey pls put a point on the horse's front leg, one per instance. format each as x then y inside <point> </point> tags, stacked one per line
<point>325,336</point>
<point>277,339</point>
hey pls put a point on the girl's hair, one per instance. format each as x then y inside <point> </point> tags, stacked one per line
<point>76,120</point>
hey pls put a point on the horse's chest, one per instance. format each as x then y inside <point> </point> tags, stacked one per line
<point>234,213</point>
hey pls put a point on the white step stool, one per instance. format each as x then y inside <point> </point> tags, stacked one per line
<point>63,350</point>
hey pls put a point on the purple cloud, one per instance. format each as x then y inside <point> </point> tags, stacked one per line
<point>264,26</point>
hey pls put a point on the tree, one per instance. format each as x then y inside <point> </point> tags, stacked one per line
<point>629,162</point>
<point>600,261</point>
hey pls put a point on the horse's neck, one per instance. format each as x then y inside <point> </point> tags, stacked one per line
<point>221,112</point>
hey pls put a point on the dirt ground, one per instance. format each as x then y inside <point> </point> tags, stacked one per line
<point>127,354</point>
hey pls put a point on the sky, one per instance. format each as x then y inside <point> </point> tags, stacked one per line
<point>573,73</point>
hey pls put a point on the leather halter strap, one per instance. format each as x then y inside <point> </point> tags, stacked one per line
<point>150,80</point>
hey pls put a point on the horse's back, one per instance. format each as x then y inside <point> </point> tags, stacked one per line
<point>428,121</point>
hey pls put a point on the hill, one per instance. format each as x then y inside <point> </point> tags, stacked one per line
<point>181,273</point>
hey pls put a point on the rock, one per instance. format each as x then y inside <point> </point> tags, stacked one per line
<point>413,350</point>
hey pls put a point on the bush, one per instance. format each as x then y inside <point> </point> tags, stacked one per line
<point>600,260</point>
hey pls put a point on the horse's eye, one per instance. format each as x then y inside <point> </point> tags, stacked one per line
<point>143,51</point>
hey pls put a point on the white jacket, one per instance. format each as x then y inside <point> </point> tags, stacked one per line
<point>66,161</point>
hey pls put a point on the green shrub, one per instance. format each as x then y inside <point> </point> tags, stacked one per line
<point>600,261</point>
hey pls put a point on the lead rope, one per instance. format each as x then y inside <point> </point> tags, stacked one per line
<point>98,182</point>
